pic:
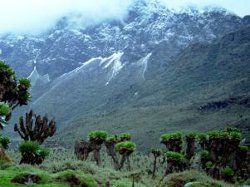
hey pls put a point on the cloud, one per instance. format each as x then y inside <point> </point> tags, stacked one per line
<point>239,7</point>
<point>36,16</point>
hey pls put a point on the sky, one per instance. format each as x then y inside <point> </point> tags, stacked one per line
<point>36,16</point>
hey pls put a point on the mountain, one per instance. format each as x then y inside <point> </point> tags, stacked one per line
<point>148,23</point>
<point>156,71</point>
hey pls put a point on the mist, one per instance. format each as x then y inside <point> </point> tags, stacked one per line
<point>37,16</point>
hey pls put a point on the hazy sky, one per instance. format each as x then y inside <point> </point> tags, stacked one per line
<point>34,16</point>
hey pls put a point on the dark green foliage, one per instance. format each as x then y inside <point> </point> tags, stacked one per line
<point>209,164</point>
<point>202,136</point>
<point>227,171</point>
<point>191,135</point>
<point>4,141</point>
<point>204,154</point>
<point>243,148</point>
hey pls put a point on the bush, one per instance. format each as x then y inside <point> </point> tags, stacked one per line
<point>75,178</point>
<point>209,165</point>
<point>4,141</point>
<point>98,135</point>
<point>227,171</point>
<point>204,154</point>
<point>128,145</point>
<point>172,136</point>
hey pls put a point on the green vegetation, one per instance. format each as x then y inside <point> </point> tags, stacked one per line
<point>4,109</point>
<point>32,152</point>
<point>25,82</point>
<point>174,155</point>
<point>128,145</point>
<point>171,136</point>
<point>204,154</point>
<point>98,135</point>
<point>4,142</point>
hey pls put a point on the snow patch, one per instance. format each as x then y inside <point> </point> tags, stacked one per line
<point>144,63</point>
<point>35,76</point>
<point>113,62</point>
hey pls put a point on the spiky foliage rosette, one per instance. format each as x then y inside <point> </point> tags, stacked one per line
<point>174,156</point>
<point>202,136</point>
<point>243,148</point>
<point>191,136</point>
<point>4,111</point>
<point>98,136</point>
<point>209,165</point>
<point>32,152</point>
<point>112,139</point>
<point>228,171</point>
<point>14,93</point>
<point>125,137</point>
<point>156,152</point>
<point>4,142</point>
<point>171,136</point>
<point>204,154</point>
<point>125,147</point>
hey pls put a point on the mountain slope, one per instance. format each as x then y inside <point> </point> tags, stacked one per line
<point>188,94</point>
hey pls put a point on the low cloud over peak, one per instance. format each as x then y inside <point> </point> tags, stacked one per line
<point>36,16</point>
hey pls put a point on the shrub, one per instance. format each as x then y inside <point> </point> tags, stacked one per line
<point>98,135</point>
